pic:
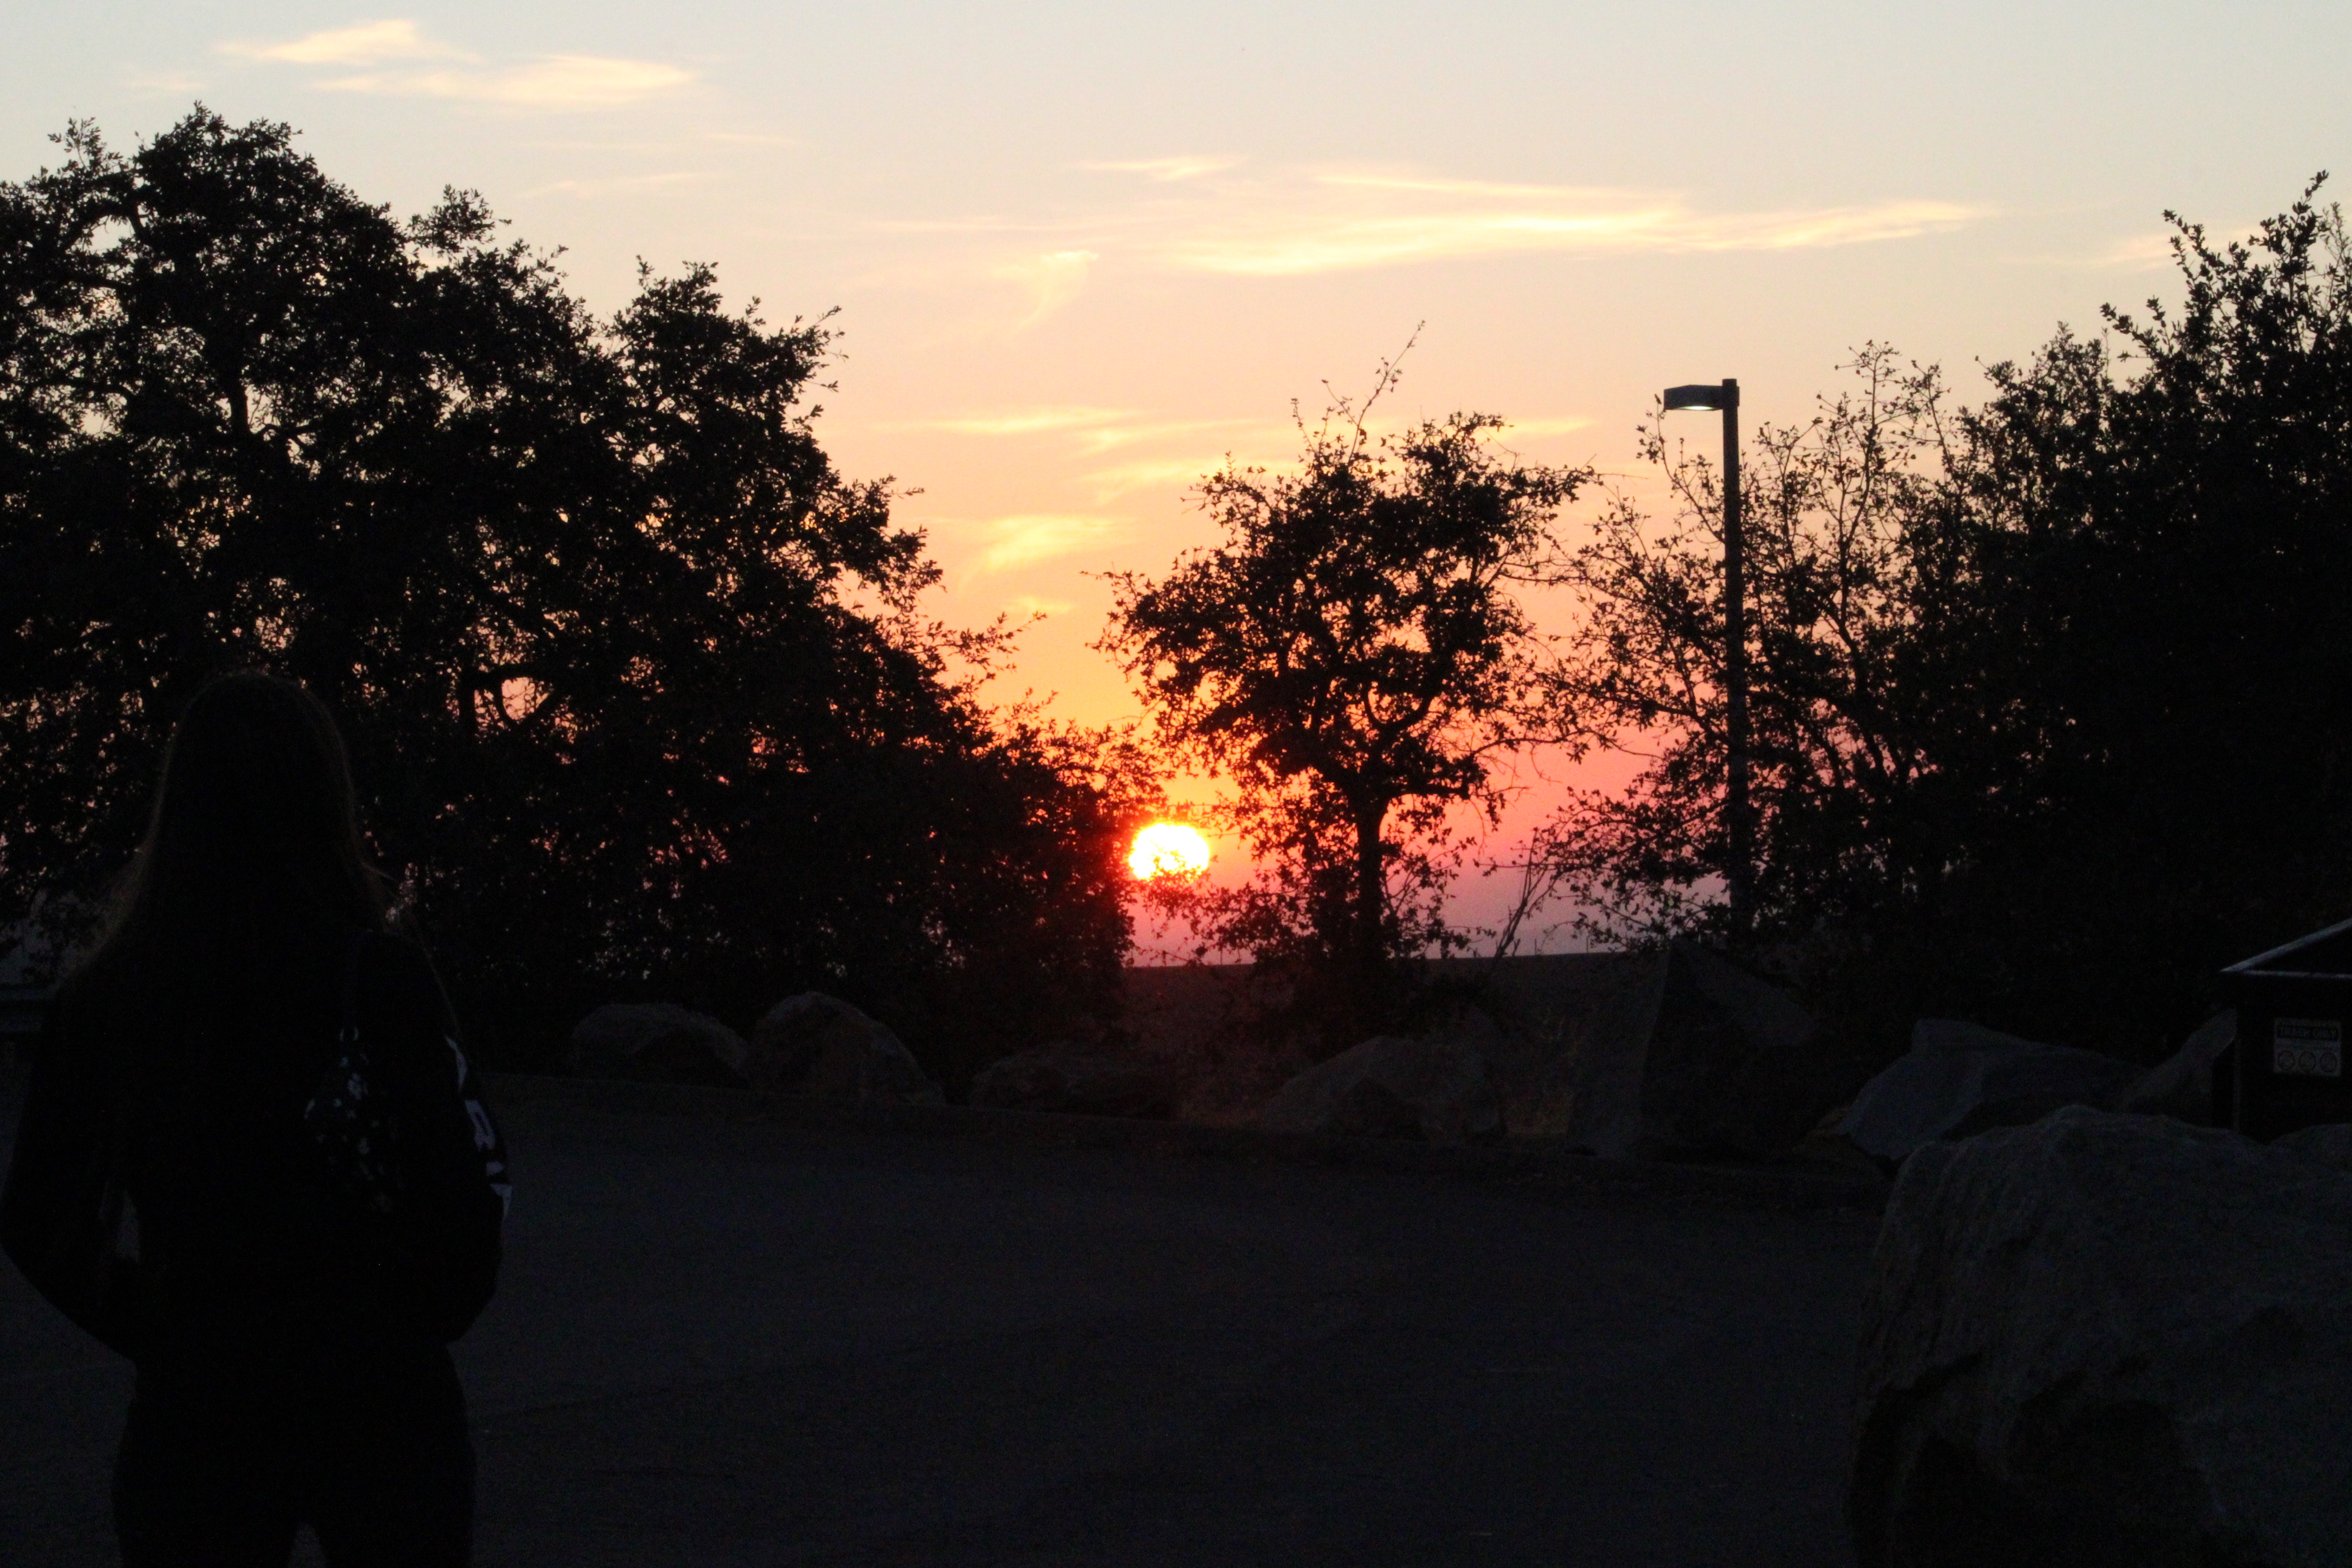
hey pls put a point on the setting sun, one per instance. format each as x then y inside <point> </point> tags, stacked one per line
<point>1168,849</point>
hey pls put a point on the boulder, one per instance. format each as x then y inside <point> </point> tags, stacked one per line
<point>2107,1340</point>
<point>1433,1089</point>
<point>2183,1084</point>
<point>1064,1079</point>
<point>2330,1142</point>
<point>1677,1051</point>
<point>822,1047</point>
<point>656,1042</point>
<point>1960,1079</point>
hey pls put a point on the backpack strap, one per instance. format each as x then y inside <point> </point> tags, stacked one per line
<point>347,1117</point>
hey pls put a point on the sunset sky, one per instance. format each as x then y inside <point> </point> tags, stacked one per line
<point>1082,252</point>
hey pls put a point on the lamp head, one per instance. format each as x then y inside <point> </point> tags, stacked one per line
<point>1703,397</point>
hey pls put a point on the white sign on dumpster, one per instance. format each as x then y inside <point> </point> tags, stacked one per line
<point>2307,1047</point>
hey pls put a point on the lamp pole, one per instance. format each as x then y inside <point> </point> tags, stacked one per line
<point>1708,397</point>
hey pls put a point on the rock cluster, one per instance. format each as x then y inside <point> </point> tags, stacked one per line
<point>2109,1339</point>
<point>658,1042</point>
<point>1066,1079</point>
<point>1433,1089</point>
<point>2330,1144</point>
<point>1682,1052</point>
<point>822,1047</point>
<point>812,1044</point>
<point>2182,1084</point>
<point>1960,1079</point>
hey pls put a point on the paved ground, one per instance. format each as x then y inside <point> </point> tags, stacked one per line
<point>721,1344</point>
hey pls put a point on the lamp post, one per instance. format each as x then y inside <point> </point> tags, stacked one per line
<point>1706,398</point>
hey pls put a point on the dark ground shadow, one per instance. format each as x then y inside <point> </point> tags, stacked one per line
<point>722,1345</point>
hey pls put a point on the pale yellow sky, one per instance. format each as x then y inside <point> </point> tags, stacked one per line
<point>1083,252</point>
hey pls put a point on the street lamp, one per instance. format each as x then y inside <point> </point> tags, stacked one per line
<point>1706,398</point>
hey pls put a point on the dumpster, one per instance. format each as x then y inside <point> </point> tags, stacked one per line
<point>2292,1004</point>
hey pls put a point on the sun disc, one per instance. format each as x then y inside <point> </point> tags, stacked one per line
<point>1168,849</point>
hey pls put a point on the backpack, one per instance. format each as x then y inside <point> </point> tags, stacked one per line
<point>350,1117</point>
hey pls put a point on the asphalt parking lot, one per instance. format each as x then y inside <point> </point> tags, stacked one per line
<point>727,1343</point>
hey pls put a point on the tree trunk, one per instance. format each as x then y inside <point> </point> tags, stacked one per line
<point>1366,967</point>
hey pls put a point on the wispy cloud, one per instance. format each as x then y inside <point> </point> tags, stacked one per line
<point>1172,474</point>
<point>363,44</point>
<point>1025,421</point>
<point>1256,443</point>
<point>1105,438</point>
<point>1183,457</point>
<point>1096,429</point>
<point>591,189</point>
<point>1166,169</point>
<point>1086,430</point>
<point>550,82</point>
<point>2139,252</point>
<point>1031,605</point>
<point>1260,445</point>
<point>2149,251</point>
<point>1017,541</point>
<point>175,82</point>
<point>1051,281</point>
<point>985,223</point>
<point>557,82</point>
<point>1340,222</point>
<point>1560,425</point>
<point>1197,214</point>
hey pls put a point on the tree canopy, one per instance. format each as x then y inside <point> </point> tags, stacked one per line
<point>2051,697</point>
<point>637,686</point>
<point>1354,658</point>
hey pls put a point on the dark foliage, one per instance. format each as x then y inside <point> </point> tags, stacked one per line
<point>638,696</point>
<point>2052,699</point>
<point>1354,660</point>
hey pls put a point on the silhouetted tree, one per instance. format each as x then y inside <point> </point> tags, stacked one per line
<point>638,690</point>
<point>1353,658</point>
<point>1854,704</point>
<point>2051,699</point>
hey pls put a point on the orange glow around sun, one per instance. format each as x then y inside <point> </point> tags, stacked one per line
<point>1168,849</point>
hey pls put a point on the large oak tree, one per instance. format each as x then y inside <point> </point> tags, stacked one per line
<point>1355,658</point>
<point>638,691</point>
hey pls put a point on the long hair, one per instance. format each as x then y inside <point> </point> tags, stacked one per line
<point>255,840</point>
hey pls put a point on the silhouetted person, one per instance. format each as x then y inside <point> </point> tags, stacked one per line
<point>252,1159</point>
